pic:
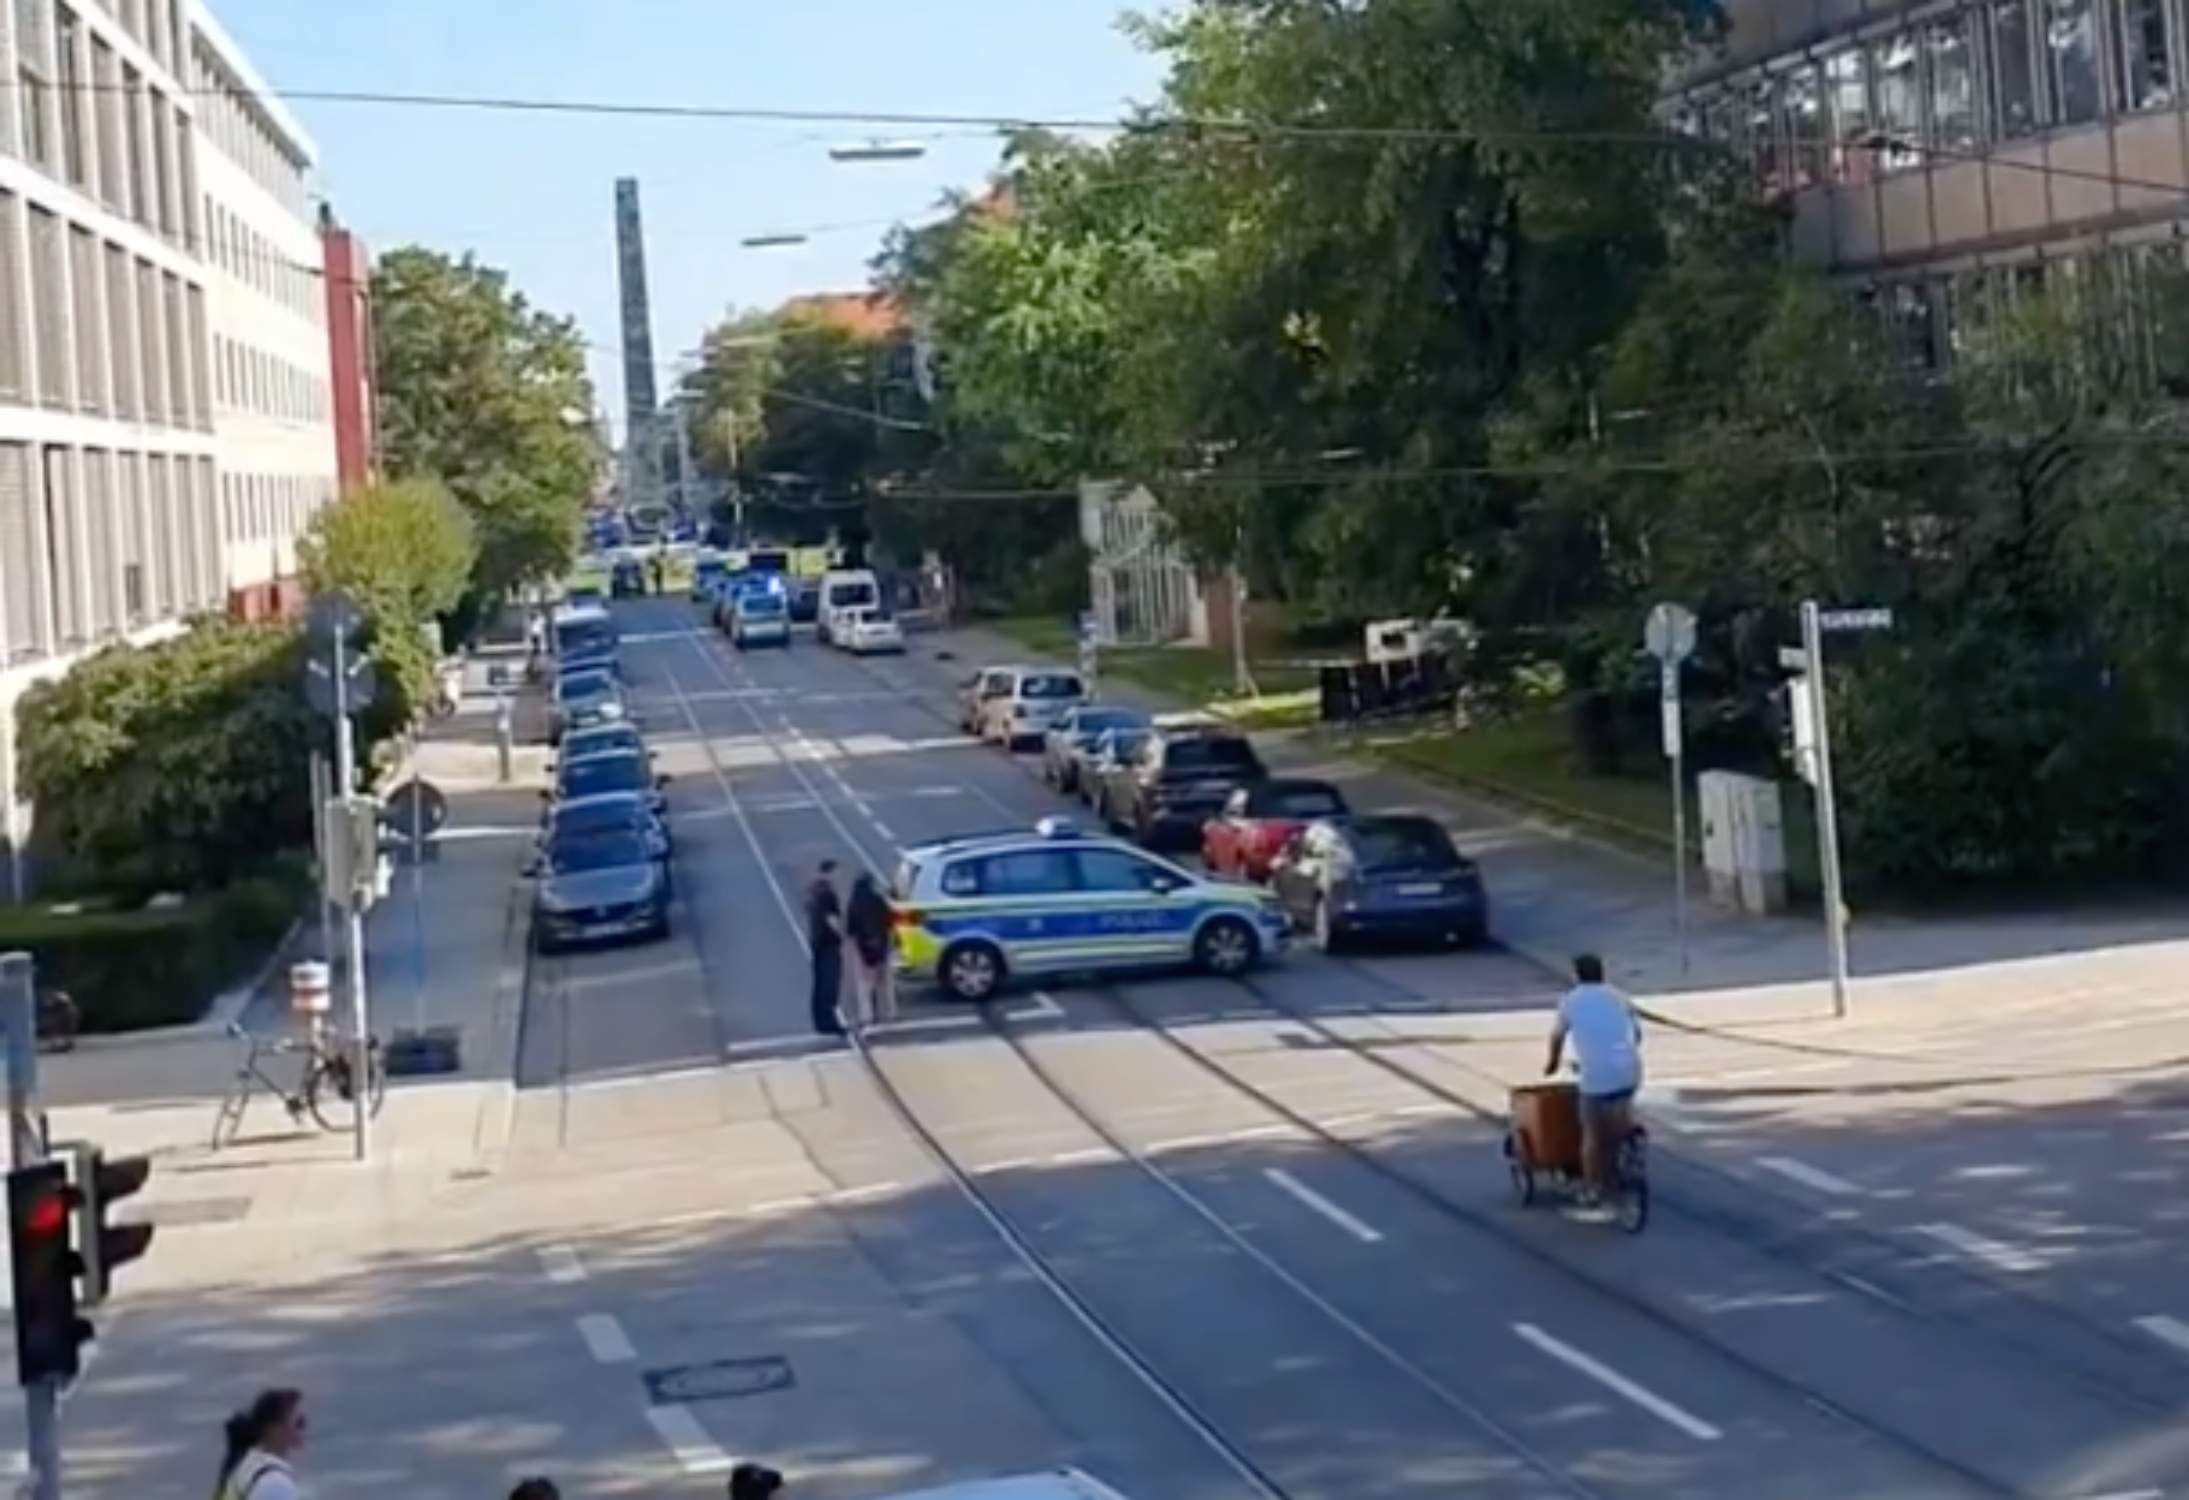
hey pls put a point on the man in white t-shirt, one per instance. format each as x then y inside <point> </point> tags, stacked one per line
<point>1607,1043</point>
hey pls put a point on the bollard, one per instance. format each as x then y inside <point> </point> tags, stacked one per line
<point>504,738</point>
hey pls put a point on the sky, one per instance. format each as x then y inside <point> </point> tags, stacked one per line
<point>534,194</point>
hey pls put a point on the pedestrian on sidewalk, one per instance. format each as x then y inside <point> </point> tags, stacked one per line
<point>1607,1044</point>
<point>825,937</point>
<point>873,985</point>
<point>261,1440</point>
<point>754,1482</point>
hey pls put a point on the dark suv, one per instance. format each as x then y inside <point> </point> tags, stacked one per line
<point>1180,779</point>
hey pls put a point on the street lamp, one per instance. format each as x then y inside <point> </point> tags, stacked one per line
<point>771,241</point>
<point>878,151</point>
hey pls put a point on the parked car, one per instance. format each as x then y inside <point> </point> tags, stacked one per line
<point>976,690</point>
<point>1074,733</point>
<point>583,700</point>
<point>596,886</point>
<point>805,602</point>
<point>1017,717</point>
<point>1112,750</point>
<point>759,617</point>
<point>867,632</point>
<point>628,579</point>
<point>1179,779</point>
<point>619,771</point>
<point>1380,876</point>
<point>843,592</point>
<point>707,577</point>
<point>604,739</point>
<point>1259,820</point>
<point>605,811</point>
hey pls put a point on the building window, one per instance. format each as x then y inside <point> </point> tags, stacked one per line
<point>1899,102</point>
<point>1847,90</point>
<point>100,552</point>
<point>21,581</point>
<point>113,178</point>
<point>152,355</point>
<point>121,342</point>
<point>68,37</point>
<point>1801,110</point>
<point>90,344</point>
<point>179,400</point>
<point>62,548</point>
<point>163,164</point>
<point>2015,105</point>
<point>33,84</point>
<point>136,543</point>
<point>2146,68</point>
<point>140,161</point>
<point>1760,125</point>
<point>1953,86</point>
<point>2071,47</point>
<point>49,305</point>
<point>201,398</point>
<point>12,382</point>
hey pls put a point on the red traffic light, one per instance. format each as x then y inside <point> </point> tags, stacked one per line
<point>47,1214</point>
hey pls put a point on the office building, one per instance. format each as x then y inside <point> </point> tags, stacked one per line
<point>1954,156</point>
<point>356,393</point>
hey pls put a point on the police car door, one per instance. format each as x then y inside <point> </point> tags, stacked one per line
<point>1135,906</point>
<point>1030,900</point>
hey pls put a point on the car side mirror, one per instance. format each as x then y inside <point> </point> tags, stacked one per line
<point>546,795</point>
<point>1166,885</point>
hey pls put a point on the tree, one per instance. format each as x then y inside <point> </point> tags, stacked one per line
<point>181,765</point>
<point>404,553</point>
<point>487,395</point>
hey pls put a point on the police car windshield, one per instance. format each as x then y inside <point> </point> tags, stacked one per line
<point>1049,685</point>
<point>1402,844</point>
<point>602,850</point>
<point>607,773</point>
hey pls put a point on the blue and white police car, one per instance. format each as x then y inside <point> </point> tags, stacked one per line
<point>970,913</point>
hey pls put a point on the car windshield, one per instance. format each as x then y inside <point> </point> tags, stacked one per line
<point>1091,722</point>
<point>606,773</point>
<point>609,849</point>
<point>1050,685</point>
<point>848,595</point>
<point>621,737</point>
<point>595,817</point>
<point>1296,802</point>
<point>1126,745</point>
<point>760,604</point>
<point>1412,844</point>
<point>585,685</point>
<point>1211,753</point>
<point>586,638</point>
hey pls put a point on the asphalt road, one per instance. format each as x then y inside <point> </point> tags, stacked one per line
<point>1264,1224</point>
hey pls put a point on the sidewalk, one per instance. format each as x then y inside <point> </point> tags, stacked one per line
<point>1555,892</point>
<point>449,954</point>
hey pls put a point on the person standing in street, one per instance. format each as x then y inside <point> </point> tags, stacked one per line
<point>261,1441</point>
<point>873,984</point>
<point>825,936</point>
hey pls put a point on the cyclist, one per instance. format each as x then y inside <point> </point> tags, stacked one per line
<point>1607,1044</point>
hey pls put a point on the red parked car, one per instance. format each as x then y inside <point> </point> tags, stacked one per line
<point>1260,818</point>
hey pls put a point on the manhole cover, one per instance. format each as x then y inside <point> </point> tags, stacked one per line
<point>719,1380</point>
<point>180,1213</point>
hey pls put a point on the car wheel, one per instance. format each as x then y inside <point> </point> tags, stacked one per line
<point>1327,937</point>
<point>971,972</point>
<point>1226,947</point>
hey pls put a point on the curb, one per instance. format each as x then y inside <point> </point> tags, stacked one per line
<point>513,984</point>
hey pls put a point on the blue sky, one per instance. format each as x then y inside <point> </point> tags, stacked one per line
<point>534,193</point>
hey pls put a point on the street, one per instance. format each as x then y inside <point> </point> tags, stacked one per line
<point>1201,1238</point>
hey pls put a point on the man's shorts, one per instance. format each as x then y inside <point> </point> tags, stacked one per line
<point>1599,1110</point>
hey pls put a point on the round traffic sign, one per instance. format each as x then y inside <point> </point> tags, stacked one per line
<point>416,805</point>
<point>1670,633</point>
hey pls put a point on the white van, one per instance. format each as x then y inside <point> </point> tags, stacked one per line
<point>844,591</point>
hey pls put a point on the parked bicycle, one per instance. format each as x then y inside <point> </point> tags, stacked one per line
<point>325,1088</point>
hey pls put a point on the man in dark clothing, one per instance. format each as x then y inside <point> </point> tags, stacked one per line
<point>825,934</point>
<point>874,998</point>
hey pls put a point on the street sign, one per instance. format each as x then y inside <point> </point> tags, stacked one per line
<point>1801,697</point>
<point>332,615</point>
<point>1090,644</point>
<point>1670,633</point>
<point>415,809</point>
<point>364,683</point>
<point>1844,620</point>
<point>1793,659</point>
<point>1672,727</point>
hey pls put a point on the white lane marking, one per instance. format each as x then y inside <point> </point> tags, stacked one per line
<point>1808,1176</point>
<point>1994,1253</point>
<point>792,1204</point>
<point>688,1441</point>
<point>1085,1154</point>
<point>926,1023</point>
<point>618,978</point>
<point>863,1192</point>
<point>2166,1330</point>
<point>1042,1003</point>
<point>882,828</point>
<point>1256,1133</point>
<point>1603,1374</point>
<point>561,1263</point>
<point>2129,1495</point>
<point>605,1338</point>
<point>1346,1122</point>
<point>1008,1164</point>
<point>1351,1224</point>
<point>1180,1143</point>
<point>1438,1108</point>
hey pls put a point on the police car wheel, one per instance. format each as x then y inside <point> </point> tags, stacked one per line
<point>1226,946</point>
<point>972,972</point>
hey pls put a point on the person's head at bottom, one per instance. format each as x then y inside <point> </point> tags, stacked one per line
<point>273,1423</point>
<point>828,869</point>
<point>535,1488</point>
<point>1588,969</point>
<point>754,1482</point>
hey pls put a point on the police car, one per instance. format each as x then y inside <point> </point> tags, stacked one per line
<point>972,912</point>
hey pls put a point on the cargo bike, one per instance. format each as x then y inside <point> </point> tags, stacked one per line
<point>1543,1154</point>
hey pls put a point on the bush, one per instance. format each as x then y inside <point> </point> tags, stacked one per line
<point>128,970</point>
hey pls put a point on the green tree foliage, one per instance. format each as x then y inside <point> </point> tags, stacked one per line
<point>488,395</point>
<point>404,553</point>
<point>181,765</point>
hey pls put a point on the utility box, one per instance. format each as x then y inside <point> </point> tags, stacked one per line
<point>1744,841</point>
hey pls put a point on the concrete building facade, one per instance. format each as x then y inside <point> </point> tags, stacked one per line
<point>1957,154</point>
<point>350,355</point>
<point>273,393</point>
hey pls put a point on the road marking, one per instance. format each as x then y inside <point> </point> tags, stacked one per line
<point>561,1264</point>
<point>605,1337</point>
<point>1808,1176</point>
<point>1182,1143</point>
<point>617,978</point>
<point>2166,1330</point>
<point>2129,1495</point>
<point>863,1192</point>
<point>792,1204</point>
<point>882,828</point>
<point>1994,1253</point>
<point>1438,1108</point>
<point>1085,1154</point>
<point>1256,1133</point>
<point>688,1441</point>
<point>1042,1003</point>
<point>1648,1400</point>
<point>1008,1164</point>
<point>1352,1225</point>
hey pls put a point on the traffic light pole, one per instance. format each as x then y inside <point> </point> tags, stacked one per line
<point>345,755</point>
<point>19,1010</point>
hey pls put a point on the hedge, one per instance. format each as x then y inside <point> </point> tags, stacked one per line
<point>128,970</point>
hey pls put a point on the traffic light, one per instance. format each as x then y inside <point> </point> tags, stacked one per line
<point>49,1335</point>
<point>105,1248</point>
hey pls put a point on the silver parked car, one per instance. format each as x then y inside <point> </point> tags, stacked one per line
<point>1071,740</point>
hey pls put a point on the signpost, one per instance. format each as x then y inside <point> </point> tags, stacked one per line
<point>339,682</point>
<point>1813,756</point>
<point>1670,637</point>
<point>1090,645</point>
<point>417,810</point>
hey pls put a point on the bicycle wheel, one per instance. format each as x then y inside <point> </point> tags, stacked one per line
<point>1633,1195</point>
<point>327,1089</point>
